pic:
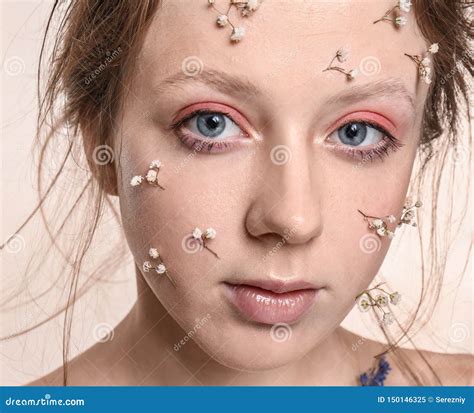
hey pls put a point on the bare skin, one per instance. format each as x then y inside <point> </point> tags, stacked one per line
<point>252,201</point>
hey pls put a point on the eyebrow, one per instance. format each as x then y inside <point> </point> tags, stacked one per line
<point>221,81</point>
<point>235,85</point>
<point>391,87</point>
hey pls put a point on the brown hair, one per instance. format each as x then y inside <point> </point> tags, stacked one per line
<point>95,47</point>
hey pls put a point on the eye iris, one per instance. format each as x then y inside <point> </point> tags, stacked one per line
<point>352,134</point>
<point>211,124</point>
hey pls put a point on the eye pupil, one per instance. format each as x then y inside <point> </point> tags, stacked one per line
<point>353,133</point>
<point>211,124</point>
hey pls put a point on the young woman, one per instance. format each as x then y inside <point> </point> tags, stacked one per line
<point>261,154</point>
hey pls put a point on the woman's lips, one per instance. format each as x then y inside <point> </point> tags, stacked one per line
<point>269,307</point>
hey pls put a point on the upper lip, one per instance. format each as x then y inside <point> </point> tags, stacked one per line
<point>277,286</point>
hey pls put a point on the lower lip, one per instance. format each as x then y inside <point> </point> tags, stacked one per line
<point>264,306</point>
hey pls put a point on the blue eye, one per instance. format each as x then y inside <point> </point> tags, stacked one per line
<point>212,125</point>
<point>359,134</point>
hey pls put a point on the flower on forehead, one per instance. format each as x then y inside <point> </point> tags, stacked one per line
<point>424,63</point>
<point>246,8</point>
<point>393,15</point>
<point>434,48</point>
<point>341,56</point>
<point>405,5</point>
<point>238,34</point>
<point>401,20</point>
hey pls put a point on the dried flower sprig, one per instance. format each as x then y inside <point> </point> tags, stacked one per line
<point>160,268</point>
<point>366,300</point>
<point>202,238</point>
<point>341,56</point>
<point>380,224</point>
<point>424,63</point>
<point>393,15</point>
<point>376,375</point>
<point>151,176</point>
<point>246,7</point>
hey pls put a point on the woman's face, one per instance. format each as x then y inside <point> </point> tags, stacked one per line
<point>277,156</point>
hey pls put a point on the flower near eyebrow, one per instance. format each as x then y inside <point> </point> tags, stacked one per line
<point>245,7</point>
<point>341,55</point>
<point>366,300</point>
<point>393,15</point>
<point>424,63</point>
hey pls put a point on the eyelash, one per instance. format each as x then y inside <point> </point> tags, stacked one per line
<point>381,150</point>
<point>388,143</point>
<point>194,143</point>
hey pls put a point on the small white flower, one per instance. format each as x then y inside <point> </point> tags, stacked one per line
<point>426,61</point>
<point>342,54</point>
<point>210,233</point>
<point>151,175</point>
<point>153,253</point>
<point>381,231</point>
<point>405,5</point>
<point>251,5</point>
<point>390,234</point>
<point>433,48</point>
<point>353,74</point>
<point>136,180</point>
<point>388,319</point>
<point>238,34</point>
<point>222,20</point>
<point>197,233</point>
<point>418,204</point>
<point>391,219</point>
<point>155,164</point>
<point>160,268</point>
<point>146,266</point>
<point>401,20</point>
<point>381,300</point>
<point>363,303</point>
<point>210,2</point>
<point>395,298</point>
<point>378,223</point>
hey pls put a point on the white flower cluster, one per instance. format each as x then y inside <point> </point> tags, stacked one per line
<point>399,19</point>
<point>341,56</point>
<point>210,233</point>
<point>151,176</point>
<point>381,301</point>
<point>147,265</point>
<point>246,8</point>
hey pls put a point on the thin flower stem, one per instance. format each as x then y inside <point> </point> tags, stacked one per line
<point>337,68</point>
<point>414,58</point>
<point>367,216</point>
<point>211,251</point>
<point>171,279</point>
<point>385,16</point>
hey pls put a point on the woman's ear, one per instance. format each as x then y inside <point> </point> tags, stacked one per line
<point>101,160</point>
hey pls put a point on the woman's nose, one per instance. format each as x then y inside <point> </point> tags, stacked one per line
<point>287,203</point>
